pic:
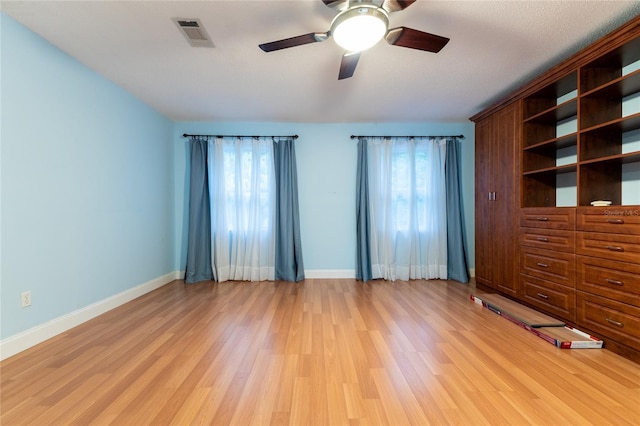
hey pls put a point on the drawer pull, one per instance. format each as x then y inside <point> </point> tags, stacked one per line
<point>614,282</point>
<point>615,248</point>
<point>543,239</point>
<point>616,323</point>
<point>543,296</point>
<point>542,265</point>
<point>616,221</point>
<point>542,219</point>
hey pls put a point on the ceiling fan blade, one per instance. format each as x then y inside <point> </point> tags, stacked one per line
<point>396,5</point>
<point>348,64</point>
<point>294,41</point>
<point>335,4</point>
<point>414,39</point>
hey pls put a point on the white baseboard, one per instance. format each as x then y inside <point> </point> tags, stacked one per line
<point>472,272</point>
<point>329,273</point>
<point>28,338</point>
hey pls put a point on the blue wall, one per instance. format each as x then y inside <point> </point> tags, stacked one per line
<point>86,184</point>
<point>327,172</point>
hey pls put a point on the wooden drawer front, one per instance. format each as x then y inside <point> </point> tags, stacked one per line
<point>608,278</point>
<point>551,239</point>
<point>553,298</point>
<point>623,248</point>
<point>616,219</point>
<point>617,320</point>
<point>550,218</point>
<point>548,265</point>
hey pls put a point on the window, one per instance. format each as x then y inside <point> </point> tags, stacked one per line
<point>406,208</point>
<point>410,189</point>
<point>242,193</point>
<point>248,185</point>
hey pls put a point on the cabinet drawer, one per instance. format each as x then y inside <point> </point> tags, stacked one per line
<point>551,239</point>
<point>616,219</point>
<point>548,217</point>
<point>623,248</point>
<point>548,265</point>
<point>608,278</point>
<point>555,299</point>
<point>616,320</point>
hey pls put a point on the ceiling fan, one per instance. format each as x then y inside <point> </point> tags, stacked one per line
<point>360,24</point>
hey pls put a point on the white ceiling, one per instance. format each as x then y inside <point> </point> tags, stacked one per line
<point>495,47</point>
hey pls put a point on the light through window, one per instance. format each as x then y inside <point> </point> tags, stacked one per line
<point>410,187</point>
<point>248,185</point>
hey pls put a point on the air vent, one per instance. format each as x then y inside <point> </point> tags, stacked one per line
<point>194,32</point>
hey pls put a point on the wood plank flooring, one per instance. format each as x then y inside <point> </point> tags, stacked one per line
<point>320,352</point>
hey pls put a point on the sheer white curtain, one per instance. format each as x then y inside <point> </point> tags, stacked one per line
<point>407,196</point>
<point>242,192</point>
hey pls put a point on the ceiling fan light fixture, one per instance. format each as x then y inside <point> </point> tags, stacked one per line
<point>359,28</point>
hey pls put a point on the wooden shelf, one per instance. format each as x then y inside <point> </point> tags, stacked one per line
<point>621,124</point>
<point>628,158</point>
<point>557,113</point>
<point>557,143</point>
<point>544,155</point>
<point>617,88</point>
<point>608,67</point>
<point>557,170</point>
<point>546,99</point>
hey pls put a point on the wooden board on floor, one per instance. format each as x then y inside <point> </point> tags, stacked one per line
<point>519,312</point>
<point>559,335</point>
<point>568,338</point>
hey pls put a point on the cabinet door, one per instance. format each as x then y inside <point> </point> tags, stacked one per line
<point>497,195</point>
<point>484,213</point>
<point>505,175</point>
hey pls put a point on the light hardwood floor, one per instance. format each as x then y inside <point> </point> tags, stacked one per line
<point>320,352</point>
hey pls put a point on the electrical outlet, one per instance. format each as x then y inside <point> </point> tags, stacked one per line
<point>25,299</point>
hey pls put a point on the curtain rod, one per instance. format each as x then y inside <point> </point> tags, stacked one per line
<point>186,135</point>
<point>409,137</point>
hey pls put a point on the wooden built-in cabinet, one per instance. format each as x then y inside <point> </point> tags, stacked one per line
<point>578,142</point>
